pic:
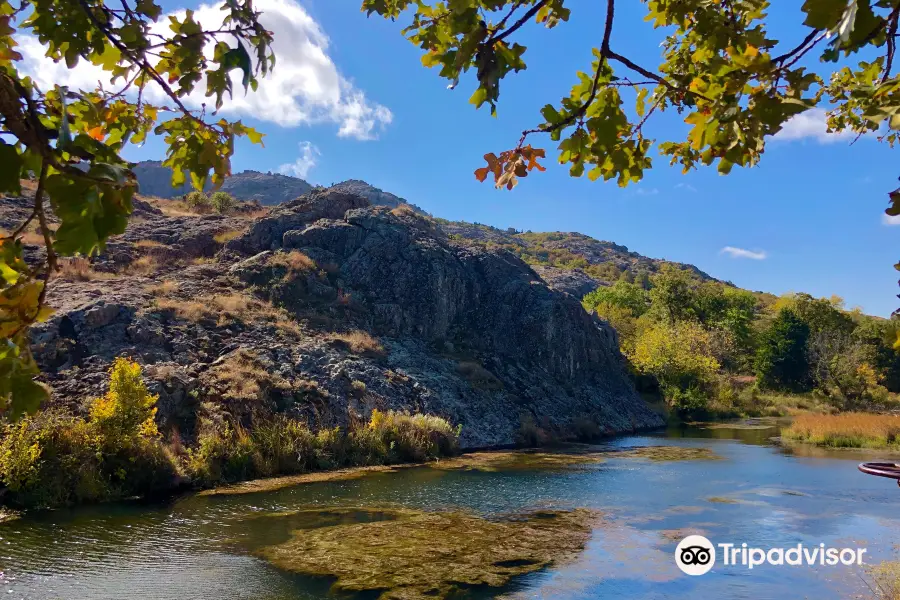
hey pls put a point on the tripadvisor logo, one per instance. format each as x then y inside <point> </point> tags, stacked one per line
<point>696,555</point>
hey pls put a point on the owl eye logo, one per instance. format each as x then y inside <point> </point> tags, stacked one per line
<point>695,555</point>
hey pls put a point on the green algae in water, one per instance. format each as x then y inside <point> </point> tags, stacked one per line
<point>667,453</point>
<point>272,484</point>
<point>517,461</point>
<point>406,554</point>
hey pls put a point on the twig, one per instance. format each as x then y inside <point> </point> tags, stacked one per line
<point>525,18</point>
<point>42,219</point>
<point>812,34</point>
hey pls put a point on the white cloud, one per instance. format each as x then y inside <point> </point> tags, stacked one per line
<point>811,124</point>
<point>741,253</point>
<point>646,192</point>
<point>686,186</point>
<point>889,220</point>
<point>308,158</point>
<point>305,86</point>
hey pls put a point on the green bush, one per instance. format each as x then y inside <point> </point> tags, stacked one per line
<point>51,459</point>
<point>198,202</point>
<point>222,202</point>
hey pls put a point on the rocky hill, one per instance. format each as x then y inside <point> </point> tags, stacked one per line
<point>268,188</point>
<point>571,262</point>
<point>325,309</point>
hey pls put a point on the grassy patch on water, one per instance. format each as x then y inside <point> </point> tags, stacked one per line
<point>413,554</point>
<point>846,430</point>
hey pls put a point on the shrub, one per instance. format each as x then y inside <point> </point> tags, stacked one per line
<point>222,202</point>
<point>223,454</point>
<point>54,459</point>
<point>413,438</point>
<point>51,459</point>
<point>198,202</point>
<point>530,435</point>
<point>127,409</point>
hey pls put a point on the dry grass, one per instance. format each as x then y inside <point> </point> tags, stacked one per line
<point>79,269</point>
<point>243,376</point>
<point>165,288</point>
<point>172,208</point>
<point>144,265</point>
<point>885,580</point>
<point>227,308</point>
<point>295,262</point>
<point>402,210</point>
<point>149,244</point>
<point>288,326</point>
<point>846,430</point>
<point>359,342</point>
<point>226,236</point>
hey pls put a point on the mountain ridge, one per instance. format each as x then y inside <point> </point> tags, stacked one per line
<point>571,262</point>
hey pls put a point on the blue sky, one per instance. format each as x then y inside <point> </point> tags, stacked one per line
<point>813,207</point>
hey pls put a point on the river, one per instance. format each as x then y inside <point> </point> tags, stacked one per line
<point>206,547</point>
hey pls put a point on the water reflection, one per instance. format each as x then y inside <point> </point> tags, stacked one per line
<point>759,493</point>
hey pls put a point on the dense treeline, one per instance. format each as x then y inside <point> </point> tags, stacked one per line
<point>709,347</point>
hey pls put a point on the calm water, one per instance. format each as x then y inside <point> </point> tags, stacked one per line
<point>201,548</point>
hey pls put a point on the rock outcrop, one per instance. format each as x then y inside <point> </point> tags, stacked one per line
<point>329,307</point>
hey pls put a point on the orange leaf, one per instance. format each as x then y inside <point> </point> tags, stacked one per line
<point>481,174</point>
<point>97,133</point>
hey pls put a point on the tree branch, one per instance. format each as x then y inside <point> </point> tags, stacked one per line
<point>515,26</point>
<point>810,37</point>
<point>141,63</point>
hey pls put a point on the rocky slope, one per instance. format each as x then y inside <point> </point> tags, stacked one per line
<point>327,308</point>
<point>570,262</point>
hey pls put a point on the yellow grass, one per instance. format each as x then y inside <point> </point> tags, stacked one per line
<point>295,261</point>
<point>149,244</point>
<point>144,265</point>
<point>359,342</point>
<point>79,269</point>
<point>226,236</point>
<point>225,308</point>
<point>165,288</point>
<point>846,430</point>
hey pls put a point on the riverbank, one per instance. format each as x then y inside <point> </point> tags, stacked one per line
<point>846,430</point>
<point>422,520</point>
<point>55,458</point>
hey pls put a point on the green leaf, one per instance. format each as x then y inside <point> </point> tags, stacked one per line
<point>10,169</point>
<point>65,136</point>
<point>237,58</point>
